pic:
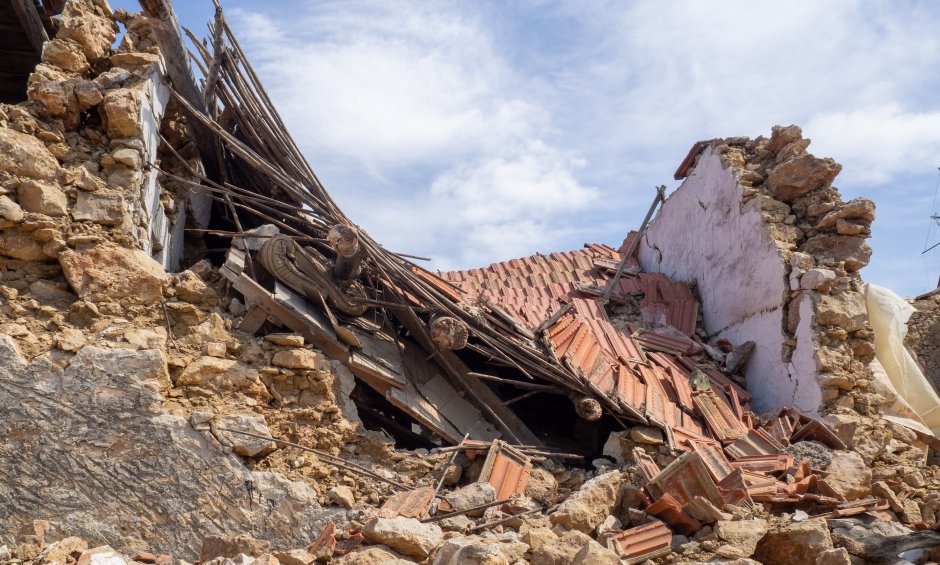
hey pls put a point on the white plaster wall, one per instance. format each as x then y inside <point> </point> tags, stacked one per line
<point>703,232</point>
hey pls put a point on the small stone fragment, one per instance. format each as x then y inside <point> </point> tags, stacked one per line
<point>341,495</point>
<point>232,547</point>
<point>405,535</point>
<point>295,359</point>
<point>42,198</point>
<point>289,340</point>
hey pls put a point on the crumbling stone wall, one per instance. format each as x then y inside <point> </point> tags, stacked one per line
<point>780,254</point>
<point>923,336</point>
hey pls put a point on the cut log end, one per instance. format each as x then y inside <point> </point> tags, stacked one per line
<point>344,239</point>
<point>588,409</point>
<point>449,333</point>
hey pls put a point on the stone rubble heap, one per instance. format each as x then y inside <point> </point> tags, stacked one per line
<point>122,382</point>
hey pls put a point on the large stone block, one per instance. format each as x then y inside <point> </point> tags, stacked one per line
<point>109,273</point>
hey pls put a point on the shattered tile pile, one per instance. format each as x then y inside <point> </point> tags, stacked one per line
<point>203,360</point>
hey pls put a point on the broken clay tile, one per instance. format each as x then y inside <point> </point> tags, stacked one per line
<point>718,415</point>
<point>816,430</point>
<point>506,469</point>
<point>764,463</point>
<point>408,504</point>
<point>669,510</point>
<point>754,442</point>
<point>685,478</point>
<point>638,544</point>
<point>325,544</point>
<point>714,459</point>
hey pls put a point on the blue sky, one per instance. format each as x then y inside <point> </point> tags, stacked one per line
<point>473,132</point>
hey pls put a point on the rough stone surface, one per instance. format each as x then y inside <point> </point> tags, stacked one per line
<point>371,555</point>
<point>25,156</point>
<point>108,402</point>
<point>246,446</point>
<point>105,209</point>
<point>295,359</point>
<point>594,553</point>
<point>10,210</point>
<point>742,534</point>
<point>405,535</point>
<point>223,376</point>
<point>88,26</point>
<point>849,475</point>
<point>20,246</point>
<point>561,550</point>
<point>63,551</point>
<point>65,54</point>
<point>472,495</point>
<point>42,198</point>
<point>121,109</point>
<point>837,556</point>
<point>103,273</point>
<point>341,495</point>
<point>797,543</point>
<point>232,546</point>
<point>104,555</point>
<point>593,502</point>
<point>471,550</point>
<point>854,251</point>
<point>817,279</point>
<point>800,175</point>
<point>847,310</point>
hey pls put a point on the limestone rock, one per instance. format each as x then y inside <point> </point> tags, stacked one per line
<point>20,246</point>
<point>817,279</point>
<point>800,175</point>
<point>192,289</point>
<point>295,359</point>
<point>25,156</point>
<point>371,555</point>
<point>134,59</point>
<point>853,250</point>
<point>246,446</point>
<point>87,94</point>
<point>536,536</point>
<point>42,198</point>
<point>837,556</point>
<point>232,546</point>
<point>294,557</point>
<point>341,495</point>
<point>405,535</point>
<point>594,553</point>
<point>52,95</point>
<point>849,475</point>
<point>65,54</point>
<point>63,551</point>
<point>289,340</point>
<point>541,485</point>
<point>10,210</point>
<point>471,550</point>
<point>105,209</point>
<point>847,311</point>
<point>102,412</point>
<point>562,550</point>
<point>593,502</point>
<point>70,339</point>
<point>103,555</point>
<point>797,543</point>
<point>781,136</point>
<point>89,26</point>
<point>472,495</point>
<point>856,209</point>
<point>121,109</point>
<point>106,273</point>
<point>742,534</point>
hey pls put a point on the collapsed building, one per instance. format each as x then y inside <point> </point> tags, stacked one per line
<point>204,357</point>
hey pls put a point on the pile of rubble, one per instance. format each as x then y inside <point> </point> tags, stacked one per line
<point>299,394</point>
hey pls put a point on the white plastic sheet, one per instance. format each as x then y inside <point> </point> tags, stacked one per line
<point>912,401</point>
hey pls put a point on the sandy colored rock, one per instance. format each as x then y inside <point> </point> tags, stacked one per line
<point>294,557</point>
<point>341,495</point>
<point>232,546</point>
<point>817,279</point>
<point>541,485</point>
<point>594,553</point>
<point>62,551</point>
<point>289,340</point>
<point>470,550</point>
<point>25,156</point>
<point>42,198</point>
<point>106,273</point>
<point>593,502</point>
<point>796,543</point>
<point>65,54</point>
<point>536,536</point>
<point>371,555</point>
<point>742,534</point>
<point>105,209</point>
<point>20,246</point>
<point>861,209</point>
<point>243,445</point>
<point>846,310</point>
<point>121,108</point>
<point>405,535</point>
<point>10,210</point>
<point>70,339</point>
<point>646,434</point>
<point>854,251</point>
<point>837,556</point>
<point>295,359</point>
<point>88,26</point>
<point>190,288</point>
<point>561,550</point>
<point>781,136</point>
<point>800,175</point>
<point>849,475</point>
<point>474,494</point>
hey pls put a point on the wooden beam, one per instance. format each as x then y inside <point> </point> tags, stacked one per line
<point>32,25</point>
<point>166,30</point>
